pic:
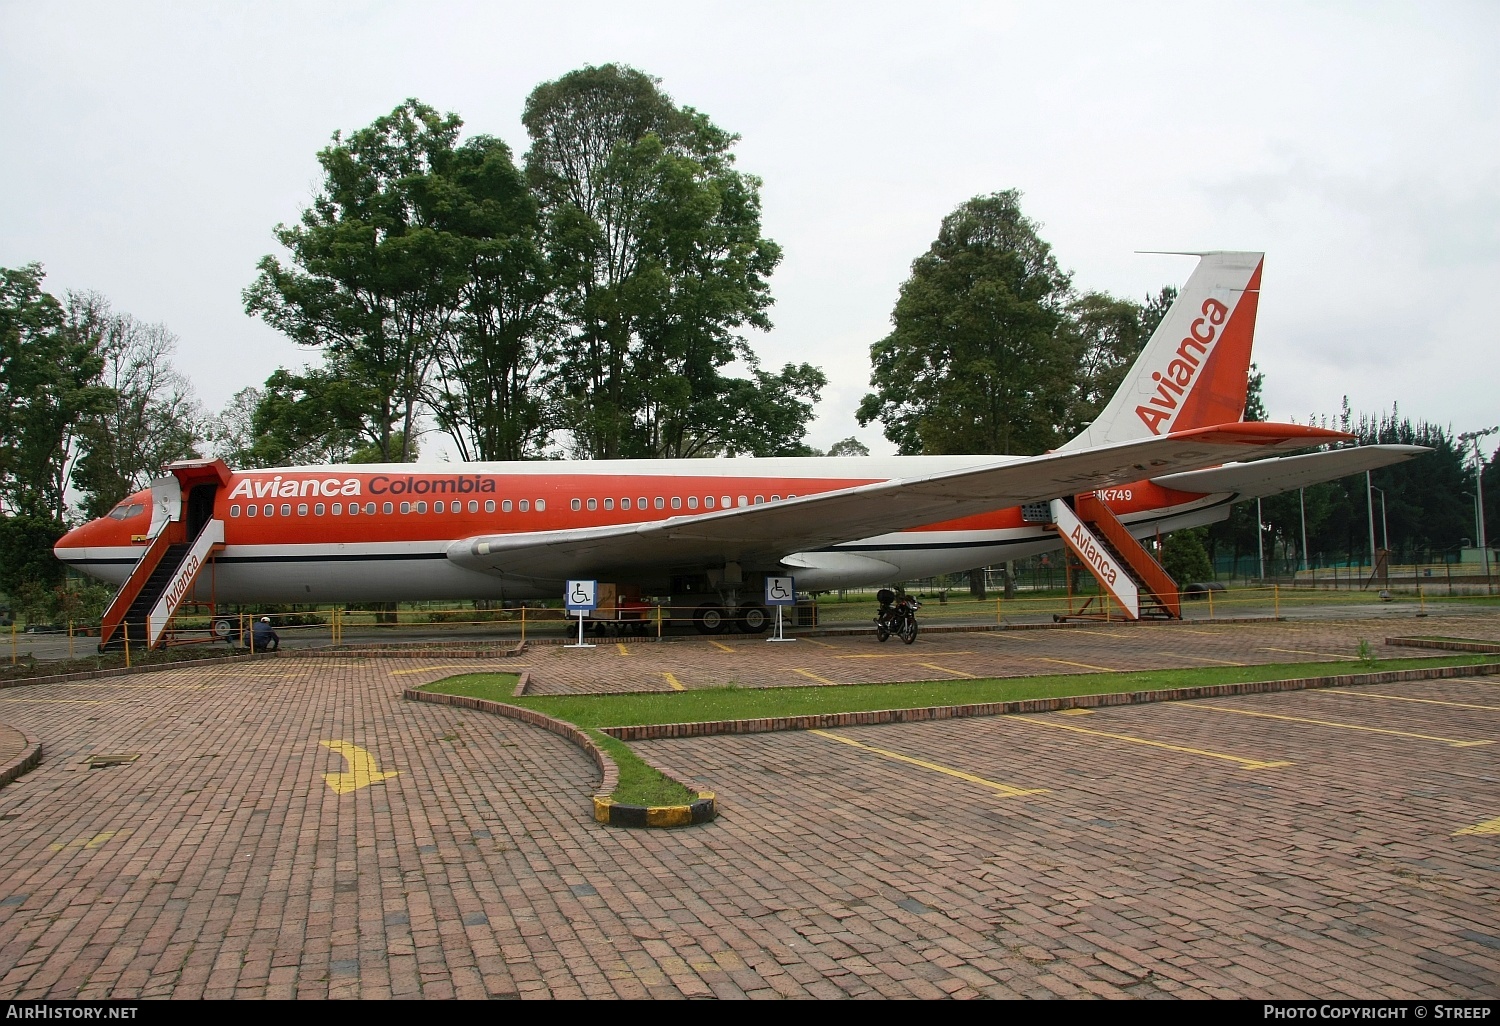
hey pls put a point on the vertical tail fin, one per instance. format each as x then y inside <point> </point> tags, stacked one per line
<point>1195,370</point>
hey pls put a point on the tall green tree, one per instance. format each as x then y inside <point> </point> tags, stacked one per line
<point>500,349</point>
<point>49,384</point>
<point>656,242</point>
<point>374,280</point>
<point>975,361</point>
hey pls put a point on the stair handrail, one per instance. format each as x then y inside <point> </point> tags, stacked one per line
<point>130,590</point>
<point>210,538</point>
<point>1152,575</point>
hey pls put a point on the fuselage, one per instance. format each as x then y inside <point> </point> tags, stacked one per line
<point>370,532</point>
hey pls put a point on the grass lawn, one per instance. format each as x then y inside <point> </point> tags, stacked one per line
<point>752,703</point>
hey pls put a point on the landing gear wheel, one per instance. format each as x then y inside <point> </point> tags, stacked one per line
<point>224,630</point>
<point>753,619</point>
<point>711,620</point>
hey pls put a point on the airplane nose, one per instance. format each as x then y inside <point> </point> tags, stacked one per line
<point>70,544</point>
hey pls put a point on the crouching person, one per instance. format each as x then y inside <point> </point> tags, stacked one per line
<point>264,638</point>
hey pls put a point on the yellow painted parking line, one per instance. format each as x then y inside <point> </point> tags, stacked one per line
<point>621,646</point>
<point>1488,828</point>
<point>872,655</point>
<point>676,684</point>
<point>1010,635</point>
<point>423,669</point>
<point>815,641</point>
<point>1107,634</point>
<point>1003,790</point>
<point>1075,712</point>
<point>1305,651</point>
<point>87,843</point>
<point>1345,726</point>
<point>721,646</point>
<point>944,669</point>
<point>1402,698</point>
<point>1238,760</point>
<point>1190,630</point>
<point>813,676</point>
<point>1207,659</point>
<point>1086,666</point>
<point>55,701</point>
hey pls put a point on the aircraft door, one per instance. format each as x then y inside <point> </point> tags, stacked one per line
<point>200,507</point>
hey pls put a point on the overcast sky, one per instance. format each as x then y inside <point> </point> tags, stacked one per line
<point>147,151</point>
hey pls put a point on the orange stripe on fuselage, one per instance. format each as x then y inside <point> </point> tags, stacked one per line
<point>556,491</point>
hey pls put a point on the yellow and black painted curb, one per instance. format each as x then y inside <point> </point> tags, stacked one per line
<point>613,813</point>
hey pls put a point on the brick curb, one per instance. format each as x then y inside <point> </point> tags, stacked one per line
<point>606,809</point>
<point>29,760</point>
<point>661,731</point>
<point>130,671</point>
<point>1451,646</point>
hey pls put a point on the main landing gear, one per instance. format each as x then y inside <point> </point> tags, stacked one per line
<point>749,618</point>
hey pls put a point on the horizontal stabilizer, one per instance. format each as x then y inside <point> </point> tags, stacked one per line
<point>1284,473</point>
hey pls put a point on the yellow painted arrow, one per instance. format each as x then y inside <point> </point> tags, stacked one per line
<point>362,770</point>
<point>1481,829</point>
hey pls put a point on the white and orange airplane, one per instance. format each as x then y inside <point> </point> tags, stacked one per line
<point>707,531</point>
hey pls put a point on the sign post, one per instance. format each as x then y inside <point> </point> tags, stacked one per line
<point>581,597</point>
<point>780,593</point>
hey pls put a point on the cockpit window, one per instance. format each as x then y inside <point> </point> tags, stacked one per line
<point>126,510</point>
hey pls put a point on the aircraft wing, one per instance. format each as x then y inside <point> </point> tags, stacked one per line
<point>758,536</point>
<point>1284,473</point>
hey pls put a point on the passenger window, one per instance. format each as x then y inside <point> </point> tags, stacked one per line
<point>437,507</point>
<point>385,507</point>
<point>593,504</point>
<point>775,498</point>
<point>791,496</point>
<point>318,509</point>
<point>505,506</point>
<point>234,511</point>
<point>759,499</point>
<point>576,505</point>
<point>676,502</point>
<point>286,509</point>
<point>708,502</point>
<point>643,502</point>
<point>744,501</point>
<point>302,509</point>
<point>524,505</point>
<point>421,507</point>
<point>473,506</point>
<point>660,503</point>
<point>370,508</point>
<point>624,503</point>
<point>489,505</point>
<point>728,501</point>
<point>354,509</point>
<point>609,503</point>
<point>250,511</point>
<point>405,508</point>
<point>268,509</point>
<point>541,504</point>
<point>338,508</point>
<point>692,502</point>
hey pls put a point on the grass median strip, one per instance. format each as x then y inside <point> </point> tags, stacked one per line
<point>647,786</point>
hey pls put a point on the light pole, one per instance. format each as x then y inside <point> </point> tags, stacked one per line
<point>1302,504</point>
<point>1260,540</point>
<point>1370,506</point>
<point>1473,437</point>
<point>1385,534</point>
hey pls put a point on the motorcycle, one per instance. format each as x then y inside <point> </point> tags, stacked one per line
<point>898,616</point>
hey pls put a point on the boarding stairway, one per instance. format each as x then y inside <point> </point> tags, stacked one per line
<point>158,585</point>
<point>1121,564</point>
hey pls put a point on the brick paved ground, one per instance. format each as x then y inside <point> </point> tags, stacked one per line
<point>748,661</point>
<point>221,863</point>
<point>12,745</point>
